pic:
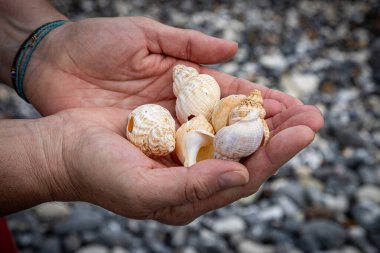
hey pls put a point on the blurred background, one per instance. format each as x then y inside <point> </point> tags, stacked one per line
<point>326,199</point>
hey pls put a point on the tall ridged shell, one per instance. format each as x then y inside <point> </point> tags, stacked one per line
<point>151,128</point>
<point>245,131</point>
<point>194,141</point>
<point>196,93</point>
<point>181,74</point>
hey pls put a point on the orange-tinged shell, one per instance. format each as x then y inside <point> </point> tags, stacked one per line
<point>194,141</point>
<point>223,109</point>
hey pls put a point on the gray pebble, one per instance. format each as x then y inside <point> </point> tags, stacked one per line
<point>51,245</point>
<point>370,192</point>
<point>322,234</point>
<point>247,246</point>
<point>94,248</point>
<point>52,211</point>
<point>229,225</point>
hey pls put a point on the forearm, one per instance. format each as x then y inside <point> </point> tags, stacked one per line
<point>25,179</point>
<point>18,18</point>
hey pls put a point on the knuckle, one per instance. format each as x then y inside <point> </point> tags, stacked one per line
<point>197,190</point>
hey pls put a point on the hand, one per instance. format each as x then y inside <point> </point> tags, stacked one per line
<point>126,62</point>
<point>100,166</point>
<point>118,62</point>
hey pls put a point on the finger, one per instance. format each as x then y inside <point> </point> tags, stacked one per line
<point>311,116</point>
<point>233,85</point>
<point>272,107</point>
<point>312,119</point>
<point>186,44</point>
<point>180,185</point>
<point>283,146</point>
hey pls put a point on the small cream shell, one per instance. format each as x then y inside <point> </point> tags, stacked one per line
<point>151,128</point>
<point>245,131</point>
<point>223,109</point>
<point>196,93</point>
<point>240,139</point>
<point>194,141</point>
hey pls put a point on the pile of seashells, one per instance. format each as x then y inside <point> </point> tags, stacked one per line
<point>229,128</point>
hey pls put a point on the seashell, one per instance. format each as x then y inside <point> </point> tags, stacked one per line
<point>223,109</point>
<point>253,102</point>
<point>246,129</point>
<point>151,128</point>
<point>181,74</point>
<point>194,141</point>
<point>196,93</point>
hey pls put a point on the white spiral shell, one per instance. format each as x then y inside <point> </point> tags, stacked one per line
<point>245,129</point>
<point>240,139</point>
<point>196,93</point>
<point>151,128</point>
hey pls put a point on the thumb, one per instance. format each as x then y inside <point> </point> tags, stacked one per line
<point>181,185</point>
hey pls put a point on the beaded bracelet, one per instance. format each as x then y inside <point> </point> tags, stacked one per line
<point>25,52</point>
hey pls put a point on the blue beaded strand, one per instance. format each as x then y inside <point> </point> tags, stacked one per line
<point>26,51</point>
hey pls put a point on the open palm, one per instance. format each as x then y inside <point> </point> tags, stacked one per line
<point>120,62</point>
<point>117,64</point>
<point>102,167</point>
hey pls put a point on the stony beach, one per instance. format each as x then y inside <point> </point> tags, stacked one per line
<point>326,199</point>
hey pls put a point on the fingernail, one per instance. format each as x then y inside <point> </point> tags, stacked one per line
<point>231,179</point>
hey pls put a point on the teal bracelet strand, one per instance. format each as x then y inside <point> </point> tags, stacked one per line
<point>24,54</point>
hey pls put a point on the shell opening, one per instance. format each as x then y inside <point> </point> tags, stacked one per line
<point>130,124</point>
<point>190,117</point>
<point>198,146</point>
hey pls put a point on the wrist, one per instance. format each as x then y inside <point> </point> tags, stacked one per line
<point>32,169</point>
<point>22,166</point>
<point>52,151</point>
<point>16,24</point>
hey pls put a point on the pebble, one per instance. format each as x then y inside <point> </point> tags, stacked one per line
<point>274,61</point>
<point>93,249</point>
<point>367,214</point>
<point>52,211</point>
<point>51,245</point>
<point>373,60</point>
<point>247,246</point>
<point>118,250</point>
<point>72,242</point>
<point>299,85</point>
<point>180,236</point>
<point>293,191</point>
<point>230,68</point>
<point>357,235</point>
<point>112,234</point>
<point>272,213</point>
<point>187,250</point>
<point>322,234</point>
<point>370,192</point>
<point>290,208</point>
<point>81,221</point>
<point>211,242</point>
<point>228,225</point>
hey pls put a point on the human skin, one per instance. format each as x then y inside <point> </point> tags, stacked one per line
<point>90,74</point>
